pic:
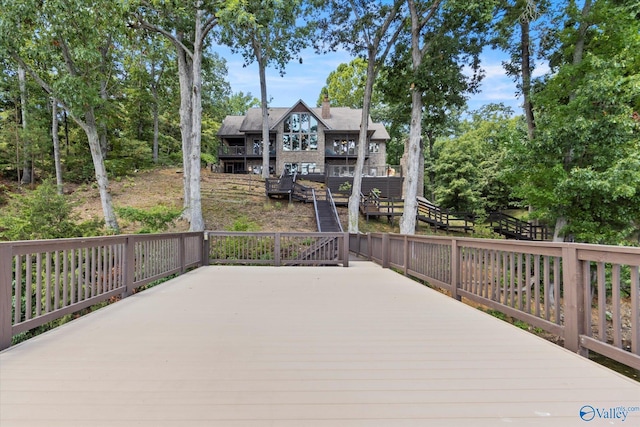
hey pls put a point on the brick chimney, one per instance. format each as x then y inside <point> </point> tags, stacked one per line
<point>326,109</point>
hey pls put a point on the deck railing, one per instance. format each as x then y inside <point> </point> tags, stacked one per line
<point>44,280</point>
<point>587,295</point>
<point>278,249</point>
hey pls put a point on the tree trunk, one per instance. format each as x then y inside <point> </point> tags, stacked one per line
<point>262,65</point>
<point>156,120</point>
<point>197,221</point>
<point>363,138</point>
<point>26,154</point>
<point>185,76</point>
<point>56,145</point>
<point>91,129</point>
<point>411,177</point>
<point>413,174</point>
<point>526,77</point>
<point>578,51</point>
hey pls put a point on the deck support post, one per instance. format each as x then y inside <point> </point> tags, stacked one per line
<point>573,299</point>
<point>6,271</point>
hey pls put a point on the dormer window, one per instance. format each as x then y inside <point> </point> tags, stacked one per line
<point>300,133</point>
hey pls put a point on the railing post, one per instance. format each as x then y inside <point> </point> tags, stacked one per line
<point>406,255</point>
<point>455,269</point>
<point>573,298</point>
<point>183,253</point>
<point>276,249</point>
<point>129,265</point>
<point>385,250</point>
<point>6,272</point>
<point>345,249</point>
<point>206,249</point>
<point>369,251</point>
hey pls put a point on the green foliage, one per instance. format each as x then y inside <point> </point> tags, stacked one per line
<point>128,156</point>
<point>42,214</point>
<point>583,164</point>
<point>345,187</point>
<point>244,224</point>
<point>471,170</point>
<point>154,220</point>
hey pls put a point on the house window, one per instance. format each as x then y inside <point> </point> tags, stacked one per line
<point>300,133</point>
<point>344,147</point>
<point>374,147</point>
<point>257,147</point>
<point>301,168</point>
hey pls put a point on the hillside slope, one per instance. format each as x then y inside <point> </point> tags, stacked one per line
<point>226,200</point>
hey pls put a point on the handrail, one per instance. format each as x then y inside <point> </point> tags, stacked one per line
<point>315,208</point>
<point>574,291</point>
<point>332,203</point>
<point>517,228</point>
<point>44,280</point>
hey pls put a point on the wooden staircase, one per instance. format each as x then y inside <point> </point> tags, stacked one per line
<point>514,228</point>
<point>443,219</point>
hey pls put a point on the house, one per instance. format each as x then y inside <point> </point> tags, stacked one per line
<point>309,141</point>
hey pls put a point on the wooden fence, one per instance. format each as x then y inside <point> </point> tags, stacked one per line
<point>587,295</point>
<point>41,281</point>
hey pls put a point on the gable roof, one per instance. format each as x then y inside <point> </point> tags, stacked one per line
<point>343,119</point>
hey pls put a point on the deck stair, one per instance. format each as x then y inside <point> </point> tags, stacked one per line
<point>374,205</point>
<point>514,228</point>
<point>444,219</point>
<point>280,187</point>
<point>326,213</point>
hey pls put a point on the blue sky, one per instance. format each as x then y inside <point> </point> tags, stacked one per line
<point>304,81</point>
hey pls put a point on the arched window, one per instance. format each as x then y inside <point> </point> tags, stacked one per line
<point>300,133</point>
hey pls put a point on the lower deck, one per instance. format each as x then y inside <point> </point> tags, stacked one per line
<point>301,346</point>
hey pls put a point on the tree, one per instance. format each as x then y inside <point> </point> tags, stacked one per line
<point>69,50</point>
<point>368,29</point>
<point>267,32</point>
<point>513,34</point>
<point>471,167</point>
<point>436,26</point>
<point>582,166</point>
<point>187,28</point>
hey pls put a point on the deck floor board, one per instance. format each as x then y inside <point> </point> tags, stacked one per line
<point>299,346</point>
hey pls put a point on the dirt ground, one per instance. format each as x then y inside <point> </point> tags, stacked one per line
<point>226,200</point>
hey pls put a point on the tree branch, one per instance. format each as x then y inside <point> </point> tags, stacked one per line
<point>141,23</point>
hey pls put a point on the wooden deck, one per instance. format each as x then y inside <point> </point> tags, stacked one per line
<point>299,346</point>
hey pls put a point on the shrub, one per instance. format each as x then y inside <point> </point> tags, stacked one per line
<point>153,220</point>
<point>42,214</point>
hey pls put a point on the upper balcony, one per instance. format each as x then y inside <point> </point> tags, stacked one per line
<point>241,151</point>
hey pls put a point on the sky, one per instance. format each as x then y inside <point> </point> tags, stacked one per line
<point>304,80</point>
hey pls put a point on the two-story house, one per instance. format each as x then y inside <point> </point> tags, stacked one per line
<point>307,140</point>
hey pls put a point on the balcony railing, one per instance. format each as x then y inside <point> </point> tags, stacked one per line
<point>241,151</point>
